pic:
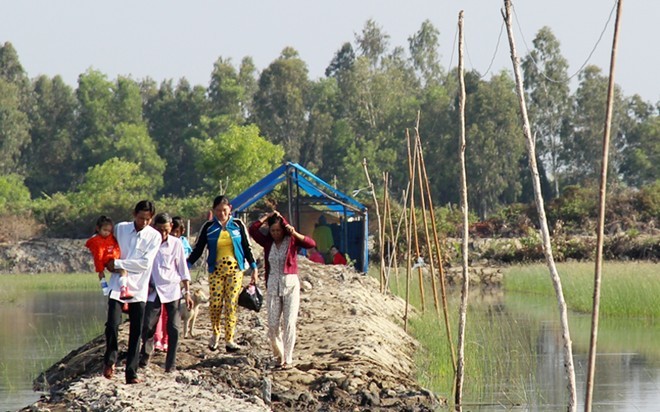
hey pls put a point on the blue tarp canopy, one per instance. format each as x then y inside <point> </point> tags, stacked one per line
<point>304,187</point>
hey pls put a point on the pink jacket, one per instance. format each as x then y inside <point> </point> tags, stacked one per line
<point>266,241</point>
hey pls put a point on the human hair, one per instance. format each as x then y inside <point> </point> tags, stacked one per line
<point>275,219</point>
<point>102,221</point>
<point>162,218</point>
<point>221,200</point>
<point>177,222</point>
<point>145,206</point>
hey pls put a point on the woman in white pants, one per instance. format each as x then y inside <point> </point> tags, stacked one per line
<point>281,244</point>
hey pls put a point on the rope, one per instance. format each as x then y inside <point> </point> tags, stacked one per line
<point>529,53</point>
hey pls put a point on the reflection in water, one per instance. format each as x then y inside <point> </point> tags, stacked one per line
<point>531,376</point>
<point>38,330</point>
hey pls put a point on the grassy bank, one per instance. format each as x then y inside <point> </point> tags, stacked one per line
<point>628,289</point>
<point>13,286</point>
<point>505,328</point>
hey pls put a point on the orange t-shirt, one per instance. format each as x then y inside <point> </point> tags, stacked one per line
<point>103,249</point>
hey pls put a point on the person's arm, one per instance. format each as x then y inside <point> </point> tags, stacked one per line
<point>199,245</point>
<point>256,233</point>
<point>97,254</point>
<point>141,262</point>
<point>184,273</point>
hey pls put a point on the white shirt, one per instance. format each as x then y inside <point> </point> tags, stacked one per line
<point>138,251</point>
<point>170,268</point>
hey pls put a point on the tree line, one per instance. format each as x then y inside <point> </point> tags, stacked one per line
<point>68,153</point>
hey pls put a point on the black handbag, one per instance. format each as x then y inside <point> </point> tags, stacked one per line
<point>251,298</point>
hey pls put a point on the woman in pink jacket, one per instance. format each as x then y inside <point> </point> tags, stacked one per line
<point>281,245</point>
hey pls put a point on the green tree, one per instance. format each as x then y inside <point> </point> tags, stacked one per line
<point>424,47</point>
<point>372,42</point>
<point>114,183</point>
<point>247,79</point>
<point>173,114</point>
<point>584,134</point>
<point>494,144</point>
<point>547,86</point>
<point>280,109</point>
<point>239,155</point>
<point>133,144</point>
<point>14,195</point>
<point>52,120</point>
<point>323,98</point>
<point>225,91</point>
<point>14,128</point>
<point>641,153</point>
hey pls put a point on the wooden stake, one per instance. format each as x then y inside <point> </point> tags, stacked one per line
<point>380,227</point>
<point>540,208</point>
<point>601,219</point>
<point>438,252</point>
<point>413,220</point>
<point>460,370</point>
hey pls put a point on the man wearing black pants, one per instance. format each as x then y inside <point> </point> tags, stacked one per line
<point>169,272</point>
<point>139,245</point>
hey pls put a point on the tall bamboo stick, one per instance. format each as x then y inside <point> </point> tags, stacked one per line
<point>438,252</point>
<point>418,145</point>
<point>413,219</point>
<point>380,227</point>
<point>460,370</point>
<point>601,219</point>
<point>543,223</point>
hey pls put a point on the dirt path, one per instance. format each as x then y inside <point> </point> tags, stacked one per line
<point>350,355</point>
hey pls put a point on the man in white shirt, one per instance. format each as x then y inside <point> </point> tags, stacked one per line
<point>139,245</point>
<point>170,270</point>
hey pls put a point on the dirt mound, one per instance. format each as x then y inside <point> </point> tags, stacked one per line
<point>351,354</point>
<point>45,256</point>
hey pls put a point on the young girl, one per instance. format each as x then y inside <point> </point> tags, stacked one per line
<point>104,247</point>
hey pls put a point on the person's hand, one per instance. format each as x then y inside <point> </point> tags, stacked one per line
<point>289,229</point>
<point>189,302</point>
<point>255,277</point>
<point>110,265</point>
<point>101,275</point>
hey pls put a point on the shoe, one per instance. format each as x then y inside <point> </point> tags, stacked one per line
<point>159,347</point>
<point>108,371</point>
<point>232,347</point>
<point>133,381</point>
<point>213,343</point>
<point>124,294</point>
<point>124,308</point>
<point>165,347</point>
<point>286,366</point>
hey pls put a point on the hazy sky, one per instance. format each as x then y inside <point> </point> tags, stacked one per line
<point>172,39</point>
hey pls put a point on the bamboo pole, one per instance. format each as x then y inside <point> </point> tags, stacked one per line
<point>460,370</point>
<point>413,220</point>
<point>540,208</point>
<point>408,265</point>
<point>601,219</point>
<point>385,269</point>
<point>380,228</point>
<point>438,251</point>
<point>418,143</point>
<point>402,219</point>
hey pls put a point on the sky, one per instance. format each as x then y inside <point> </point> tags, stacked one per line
<point>171,39</point>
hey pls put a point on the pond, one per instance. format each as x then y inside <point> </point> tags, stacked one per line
<point>514,341</point>
<point>517,358</point>
<point>37,330</point>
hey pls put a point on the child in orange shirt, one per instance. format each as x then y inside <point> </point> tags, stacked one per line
<point>104,247</point>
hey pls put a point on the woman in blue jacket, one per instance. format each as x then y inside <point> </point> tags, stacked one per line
<point>229,248</point>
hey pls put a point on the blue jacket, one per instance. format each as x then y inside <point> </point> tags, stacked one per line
<point>209,235</point>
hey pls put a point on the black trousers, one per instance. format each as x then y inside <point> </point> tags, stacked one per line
<point>135,316</point>
<point>152,314</point>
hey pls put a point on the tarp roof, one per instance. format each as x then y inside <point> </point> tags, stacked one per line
<point>318,191</point>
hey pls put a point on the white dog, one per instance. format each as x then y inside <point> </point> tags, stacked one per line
<point>190,316</point>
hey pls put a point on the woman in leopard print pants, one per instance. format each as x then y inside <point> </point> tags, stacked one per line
<point>229,247</point>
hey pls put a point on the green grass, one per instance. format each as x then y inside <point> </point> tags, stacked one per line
<point>13,285</point>
<point>630,289</point>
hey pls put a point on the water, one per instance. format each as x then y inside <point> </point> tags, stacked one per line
<point>39,329</point>
<point>523,367</point>
<point>520,365</point>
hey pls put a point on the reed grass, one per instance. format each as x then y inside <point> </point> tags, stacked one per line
<point>12,286</point>
<point>628,289</point>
